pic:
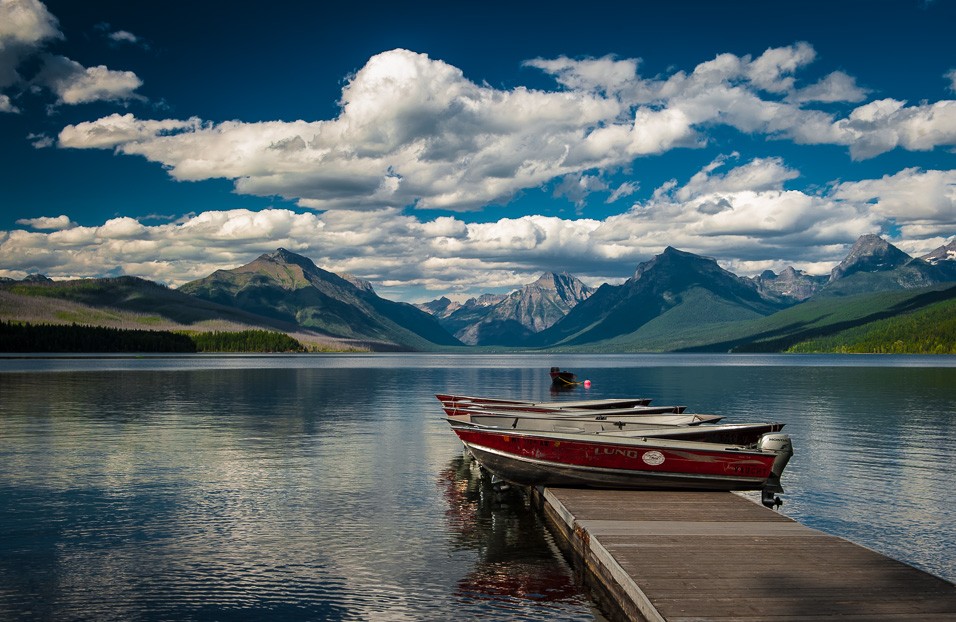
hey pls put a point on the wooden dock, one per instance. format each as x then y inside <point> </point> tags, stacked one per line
<point>681,556</point>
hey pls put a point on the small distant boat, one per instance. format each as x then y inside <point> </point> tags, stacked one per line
<point>563,378</point>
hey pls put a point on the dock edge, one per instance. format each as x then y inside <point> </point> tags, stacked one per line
<point>616,590</point>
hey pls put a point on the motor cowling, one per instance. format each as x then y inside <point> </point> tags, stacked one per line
<point>781,445</point>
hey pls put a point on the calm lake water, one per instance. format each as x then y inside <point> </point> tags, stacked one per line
<point>330,487</point>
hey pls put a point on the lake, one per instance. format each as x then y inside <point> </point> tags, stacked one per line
<point>329,487</point>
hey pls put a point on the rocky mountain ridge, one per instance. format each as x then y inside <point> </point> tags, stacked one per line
<point>870,253</point>
<point>510,319</point>
<point>672,280</point>
<point>289,287</point>
<point>944,253</point>
<point>791,285</point>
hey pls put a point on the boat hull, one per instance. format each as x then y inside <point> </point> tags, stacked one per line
<point>561,460</point>
<point>562,379</point>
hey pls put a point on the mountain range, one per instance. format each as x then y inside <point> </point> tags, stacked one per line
<point>675,301</point>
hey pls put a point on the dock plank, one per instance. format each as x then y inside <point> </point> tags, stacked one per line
<point>681,556</point>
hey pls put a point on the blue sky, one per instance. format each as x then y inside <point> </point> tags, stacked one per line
<point>439,149</point>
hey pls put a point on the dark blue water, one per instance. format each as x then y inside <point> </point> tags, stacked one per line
<point>330,488</point>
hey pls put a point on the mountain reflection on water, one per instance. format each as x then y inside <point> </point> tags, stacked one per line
<point>516,556</point>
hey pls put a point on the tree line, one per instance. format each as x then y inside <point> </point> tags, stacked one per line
<point>928,331</point>
<point>16,337</point>
<point>246,341</point>
<point>48,338</point>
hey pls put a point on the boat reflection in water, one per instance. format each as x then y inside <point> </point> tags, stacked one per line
<point>517,558</point>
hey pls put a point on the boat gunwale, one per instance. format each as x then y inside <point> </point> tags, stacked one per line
<point>459,421</point>
<point>661,419</point>
<point>597,404</point>
<point>574,413</point>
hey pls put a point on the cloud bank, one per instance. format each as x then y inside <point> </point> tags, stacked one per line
<point>740,214</point>
<point>414,131</point>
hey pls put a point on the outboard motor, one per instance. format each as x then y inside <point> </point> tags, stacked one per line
<point>783,446</point>
<point>780,443</point>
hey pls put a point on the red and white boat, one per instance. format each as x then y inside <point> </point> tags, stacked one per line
<point>630,462</point>
<point>621,448</point>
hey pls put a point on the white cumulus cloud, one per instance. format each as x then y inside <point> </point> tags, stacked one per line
<point>123,36</point>
<point>74,84</point>
<point>742,214</point>
<point>55,223</point>
<point>835,87</point>
<point>773,70</point>
<point>922,203</point>
<point>6,105</point>
<point>607,74</point>
<point>24,26</point>
<point>116,130</point>
<point>886,124</point>
<point>414,131</point>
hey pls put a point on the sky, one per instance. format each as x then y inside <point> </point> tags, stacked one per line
<point>454,149</point>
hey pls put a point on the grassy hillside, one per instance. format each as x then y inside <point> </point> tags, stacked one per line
<point>818,318</point>
<point>129,305</point>
<point>696,319</point>
<point>678,327</point>
<point>931,330</point>
<point>140,298</point>
<point>707,324</point>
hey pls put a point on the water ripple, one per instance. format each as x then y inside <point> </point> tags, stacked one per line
<point>245,494</point>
